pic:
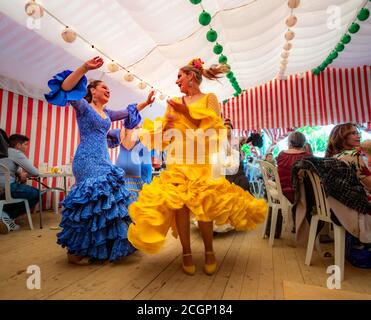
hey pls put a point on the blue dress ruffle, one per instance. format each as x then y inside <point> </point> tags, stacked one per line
<point>95,218</point>
<point>133,118</point>
<point>59,97</point>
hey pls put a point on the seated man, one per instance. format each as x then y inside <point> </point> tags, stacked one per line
<point>20,168</point>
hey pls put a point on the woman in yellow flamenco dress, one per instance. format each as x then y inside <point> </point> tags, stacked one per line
<point>188,185</point>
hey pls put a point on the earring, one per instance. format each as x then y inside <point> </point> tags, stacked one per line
<point>190,83</point>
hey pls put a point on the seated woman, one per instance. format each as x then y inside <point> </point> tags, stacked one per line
<point>286,160</point>
<point>344,144</point>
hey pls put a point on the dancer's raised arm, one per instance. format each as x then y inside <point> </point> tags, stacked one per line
<point>72,80</point>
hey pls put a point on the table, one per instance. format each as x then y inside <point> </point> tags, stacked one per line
<point>50,189</point>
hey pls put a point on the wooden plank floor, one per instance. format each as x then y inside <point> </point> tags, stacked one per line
<point>248,269</point>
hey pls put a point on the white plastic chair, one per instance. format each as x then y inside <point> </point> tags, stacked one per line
<point>256,183</point>
<point>8,197</point>
<point>324,214</point>
<point>276,199</point>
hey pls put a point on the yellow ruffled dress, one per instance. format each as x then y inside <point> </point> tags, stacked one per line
<point>208,198</point>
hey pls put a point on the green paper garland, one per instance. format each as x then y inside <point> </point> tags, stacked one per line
<point>223,59</point>
<point>339,47</point>
<point>346,39</point>
<point>362,15</point>
<point>204,18</point>
<point>211,35</point>
<point>354,27</point>
<point>218,49</point>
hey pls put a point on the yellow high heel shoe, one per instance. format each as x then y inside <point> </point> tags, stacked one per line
<point>210,269</point>
<point>189,270</point>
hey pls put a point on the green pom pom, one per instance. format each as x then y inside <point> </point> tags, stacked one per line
<point>346,39</point>
<point>204,18</point>
<point>230,75</point>
<point>354,27</point>
<point>328,60</point>
<point>218,49</point>
<point>339,47</point>
<point>211,35</point>
<point>223,59</point>
<point>334,55</point>
<point>195,1</point>
<point>363,14</point>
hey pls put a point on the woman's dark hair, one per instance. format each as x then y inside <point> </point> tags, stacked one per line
<point>92,84</point>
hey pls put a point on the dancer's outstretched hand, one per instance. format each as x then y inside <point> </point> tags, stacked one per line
<point>150,99</point>
<point>94,63</point>
<point>178,107</point>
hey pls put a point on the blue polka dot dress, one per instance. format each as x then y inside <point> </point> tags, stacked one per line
<point>95,218</point>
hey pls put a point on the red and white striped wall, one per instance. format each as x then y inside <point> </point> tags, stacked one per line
<point>53,131</point>
<point>335,96</point>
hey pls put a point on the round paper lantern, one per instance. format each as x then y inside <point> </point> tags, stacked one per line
<point>354,27</point>
<point>34,10</point>
<point>223,59</point>
<point>289,35</point>
<point>291,21</point>
<point>339,47</point>
<point>204,18</point>
<point>218,49</point>
<point>293,4</point>
<point>129,77</point>
<point>211,35</point>
<point>142,85</point>
<point>195,1</point>
<point>287,46</point>
<point>69,35</point>
<point>285,55</point>
<point>346,39</point>
<point>363,14</point>
<point>284,62</point>
<point>112,67</point>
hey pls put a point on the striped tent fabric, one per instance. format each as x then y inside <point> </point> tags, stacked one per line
<point>53,131</point>
<point>276,135</point>
<point>335,96</point>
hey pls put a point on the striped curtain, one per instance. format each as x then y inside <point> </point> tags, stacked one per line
<point>336,96</point>
<point>53,131</point>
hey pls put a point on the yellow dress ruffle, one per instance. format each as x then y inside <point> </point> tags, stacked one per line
<point>193,186</point>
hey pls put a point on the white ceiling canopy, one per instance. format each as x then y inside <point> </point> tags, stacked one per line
<point>154,38</point>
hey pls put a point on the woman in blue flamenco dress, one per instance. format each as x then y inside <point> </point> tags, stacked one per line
<point>134,158</point>
<point>95,218</point>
